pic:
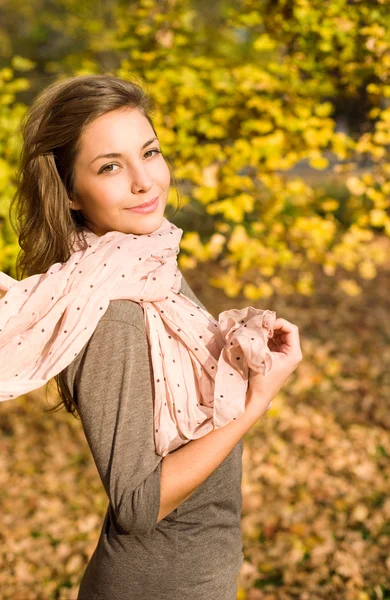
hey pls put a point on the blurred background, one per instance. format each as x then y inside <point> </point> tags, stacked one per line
<point>276,119</point>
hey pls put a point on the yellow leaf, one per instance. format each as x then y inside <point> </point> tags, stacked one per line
<point>378,217</point>
<point>238,240</point>
<point>264,43</point>
<point>332,367</point>
<point>187,262</point>
<point>251,292</point>
<point>330,205</point>
<point>355,186</point>
<point>319,162</point>
<point>360,512</point>
<point>373,88</point>
<point>367,269</point>
<point>340,504</point>
<point>299,529</point>
<point>266,567</point>
<point>241,594</point>
<point>20,63</point>
<point>305,284</point>
<point>6,74</point>
<point>350,287</point>
<point>302,111</point>
<point>324,109</point>
<point>210,175</point>
<point>205,195</point>
<point>259,125</point>
<point>192,243</point>
<point>215,245</point>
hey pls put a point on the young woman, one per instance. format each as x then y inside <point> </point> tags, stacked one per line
<point>92,160</point>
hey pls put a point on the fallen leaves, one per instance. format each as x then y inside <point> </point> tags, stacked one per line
<point>316,491</point>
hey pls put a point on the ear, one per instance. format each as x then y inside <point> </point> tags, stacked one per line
<point>73,205</point>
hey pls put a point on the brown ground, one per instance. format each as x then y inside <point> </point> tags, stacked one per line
<point>316,489</point>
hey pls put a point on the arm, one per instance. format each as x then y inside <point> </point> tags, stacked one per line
<point>190,465</point>
<point>187,467</point>
<point>113,389</point>
<point>114,394</point>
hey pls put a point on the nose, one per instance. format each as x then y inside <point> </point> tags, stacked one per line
<point>142,181</point>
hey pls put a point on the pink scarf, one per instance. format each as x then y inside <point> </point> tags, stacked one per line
<point>200,365</point>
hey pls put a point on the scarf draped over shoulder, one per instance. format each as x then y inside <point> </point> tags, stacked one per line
<point>200,364</point>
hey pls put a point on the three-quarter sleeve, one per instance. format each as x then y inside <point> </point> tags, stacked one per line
<point>113,389</point>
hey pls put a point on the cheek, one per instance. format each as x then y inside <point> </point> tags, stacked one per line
<point>163,175</point>
<point>108,194</point>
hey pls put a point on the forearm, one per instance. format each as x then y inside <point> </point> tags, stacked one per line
<point>189,466</point>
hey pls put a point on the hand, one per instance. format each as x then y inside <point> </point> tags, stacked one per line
<point>286,355</point>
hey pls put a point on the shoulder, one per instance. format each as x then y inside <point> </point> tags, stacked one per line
<point>131,312</point>
<point>125,311</point>
<point>122,326</point>
<point>119,332</point>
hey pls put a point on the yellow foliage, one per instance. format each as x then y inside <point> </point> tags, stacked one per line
<point>318,162</point>
<point>264,43</point>
<point>172,197</point>
<point>206,195</point>
<point>232,209</point>
<point>263,290</point>
<point>367,269</point>
<point>313,232</point>
<point>332,367</point>
<point>350,287</point>
<point>324,110</point>
<point>238,239</point>
<point>20,63</point>
<point>259,125</point>
<point>378,217</point>
<point>210,175</point>
<point>330,205</point>
<point>228,282</point>
<point>251,291</point>
<point>241,594</point>
<point>191,242</point>
<point>235,119</point>
<point>186,262</point>
<point>215,245</point>
<point>222,115</point>
<point>305,284</point>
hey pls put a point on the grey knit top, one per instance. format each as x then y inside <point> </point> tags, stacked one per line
<point>195,552</point>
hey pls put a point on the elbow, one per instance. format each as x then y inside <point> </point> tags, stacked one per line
<point>137,509</point>
<point>138,516</point>
<point>136,526</point>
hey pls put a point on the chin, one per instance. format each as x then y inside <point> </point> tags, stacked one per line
<point>146,224</point>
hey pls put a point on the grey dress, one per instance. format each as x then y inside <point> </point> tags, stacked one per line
<point>195,552</point>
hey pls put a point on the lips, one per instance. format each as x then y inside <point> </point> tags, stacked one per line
<point>145,203</point>
<point>146,208</point>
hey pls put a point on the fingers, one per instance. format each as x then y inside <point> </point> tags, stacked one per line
<point>286,335</point>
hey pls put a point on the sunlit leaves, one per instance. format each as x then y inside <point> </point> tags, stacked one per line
<point>20,63</point>
<point>240,105</point>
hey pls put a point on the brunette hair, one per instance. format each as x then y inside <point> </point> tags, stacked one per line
<point>51,129</point>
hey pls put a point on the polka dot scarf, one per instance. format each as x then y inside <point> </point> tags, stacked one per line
<point>200,365</point>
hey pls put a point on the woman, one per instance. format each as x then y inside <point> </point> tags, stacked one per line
<point>91,157</point>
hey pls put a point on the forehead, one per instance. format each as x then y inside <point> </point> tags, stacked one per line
<point>126,125</point>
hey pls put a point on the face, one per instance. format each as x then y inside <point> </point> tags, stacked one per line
<point>107,187</point>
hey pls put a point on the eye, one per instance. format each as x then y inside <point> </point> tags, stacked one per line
<point>153,150</point>
<point>103,170</point>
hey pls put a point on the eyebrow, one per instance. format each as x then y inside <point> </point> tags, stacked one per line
<point>118,154</point>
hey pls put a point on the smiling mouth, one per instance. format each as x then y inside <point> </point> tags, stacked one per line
<point>145,204</point>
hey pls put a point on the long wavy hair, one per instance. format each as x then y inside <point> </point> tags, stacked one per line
<point>40,211</point>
